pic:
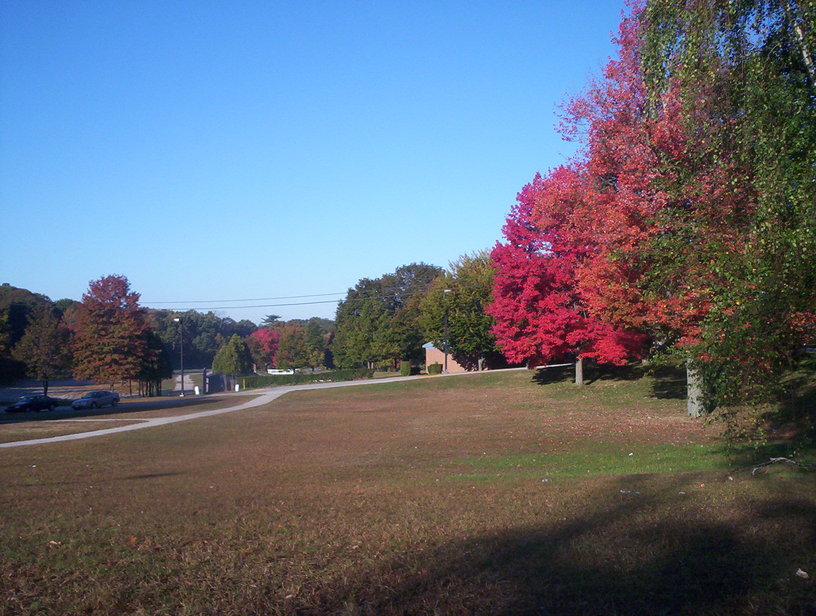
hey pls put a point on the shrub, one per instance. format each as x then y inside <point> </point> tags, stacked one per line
<point>405,368</point>
<point>435,369</point>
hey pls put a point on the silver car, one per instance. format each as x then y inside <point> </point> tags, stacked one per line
<point>95,399</point>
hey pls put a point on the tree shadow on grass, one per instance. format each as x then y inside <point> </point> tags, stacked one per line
<point>593,372</point>
<point>669,382</point>
<point>618,558</point>
<point>547,376</point>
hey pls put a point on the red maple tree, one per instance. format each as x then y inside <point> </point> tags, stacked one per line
<point>263,346</point>
<point>666,212</point>
<point>110,332</point>
<point>539,309</point>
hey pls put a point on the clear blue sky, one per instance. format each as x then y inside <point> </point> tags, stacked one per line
<point>220,150</point>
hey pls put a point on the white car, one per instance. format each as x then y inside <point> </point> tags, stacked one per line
<point>95,399</point>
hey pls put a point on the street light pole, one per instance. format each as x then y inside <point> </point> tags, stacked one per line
<point>446,291</point>
<point>181,351</point>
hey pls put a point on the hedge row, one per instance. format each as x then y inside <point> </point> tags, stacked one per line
<point>265,380</point>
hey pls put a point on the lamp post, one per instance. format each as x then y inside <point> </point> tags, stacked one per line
<point>181,351</point>
<point>446,291</point>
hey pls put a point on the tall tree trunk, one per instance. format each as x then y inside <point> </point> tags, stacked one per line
<point>793,16</point>
<point>45,387</point>
<point>694,387</point>
<point>579,371</point>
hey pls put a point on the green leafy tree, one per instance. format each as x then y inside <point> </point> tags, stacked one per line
<point>233,358</point>
<point>378,320</point>
<point>744,73</point>
<point>156,365</point>
<point>468,283</point>
<point>316,338</point>
<point>293,347</point>
<point>65,305</point>
<point>270,320</point>
<point>16,307</point>
<point>361,318</point>
<point>44,347</point>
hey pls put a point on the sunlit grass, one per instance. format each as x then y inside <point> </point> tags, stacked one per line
<point>426,497</point>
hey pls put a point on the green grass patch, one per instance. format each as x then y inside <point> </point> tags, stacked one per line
<point>603,459</point>
<point>593,459</point>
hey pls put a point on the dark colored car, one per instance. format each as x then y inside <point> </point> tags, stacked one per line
<point>95,399</point>
<point>35,403</point>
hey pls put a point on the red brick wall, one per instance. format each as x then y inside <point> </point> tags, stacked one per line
<point>435,356</point>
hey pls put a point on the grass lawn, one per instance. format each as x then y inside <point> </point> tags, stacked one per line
<point>502,493</point>
<point>22,431</point>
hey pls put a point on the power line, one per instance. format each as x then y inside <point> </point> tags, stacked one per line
<point>385,293</point>
<point>252,299</point>
<point>328,301</point>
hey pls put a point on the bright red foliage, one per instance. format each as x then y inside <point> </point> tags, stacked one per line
<point>263,345</point>
<point>662,210</point>
<point>539,310</point>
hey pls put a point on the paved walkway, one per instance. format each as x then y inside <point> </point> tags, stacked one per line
<point>264,396</point>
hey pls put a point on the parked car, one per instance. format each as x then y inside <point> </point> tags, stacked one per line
<point>95,399</point>
<point>36,403</point>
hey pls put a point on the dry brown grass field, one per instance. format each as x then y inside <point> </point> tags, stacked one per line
<point>489,494</point>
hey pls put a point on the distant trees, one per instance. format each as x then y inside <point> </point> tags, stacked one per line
<point>290,344</point>
<point>293,348</point>
<point>377,323</point>
<point>111,338</point>
<point>263,347</point>
<point>233,358</point>
<point>459,297</point>
<point>362,322</point>
<point>204,334</point>
<point>156,365</point>
<point>16,309</point>
<point>44,347</point>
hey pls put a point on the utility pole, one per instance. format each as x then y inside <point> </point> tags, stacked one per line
<point>445,299</point>
<point>181,351</point>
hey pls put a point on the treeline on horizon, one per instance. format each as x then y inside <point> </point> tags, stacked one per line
<point>107,337</point>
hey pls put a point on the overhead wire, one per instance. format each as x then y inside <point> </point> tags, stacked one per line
<point>252,299</point>
<point>388,293</point>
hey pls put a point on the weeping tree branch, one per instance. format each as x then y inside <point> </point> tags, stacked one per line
<point>759,467</point>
